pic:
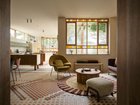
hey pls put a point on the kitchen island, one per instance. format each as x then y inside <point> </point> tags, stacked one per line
<point>28,59</point>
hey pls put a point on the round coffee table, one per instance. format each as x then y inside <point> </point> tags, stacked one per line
<point>84,74</point>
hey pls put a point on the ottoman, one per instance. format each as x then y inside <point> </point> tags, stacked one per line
<point>100,87</point>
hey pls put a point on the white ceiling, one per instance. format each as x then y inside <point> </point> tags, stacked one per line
<point>45,13</point>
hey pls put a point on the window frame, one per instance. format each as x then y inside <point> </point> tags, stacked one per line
<point>98,20</point>
<point>75,34</point>
<point>49,48</point>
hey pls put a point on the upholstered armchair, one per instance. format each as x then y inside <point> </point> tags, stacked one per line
<point>59,63</point>
<point>112,65</point>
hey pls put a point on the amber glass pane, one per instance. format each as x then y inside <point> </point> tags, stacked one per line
<point>70,46</point>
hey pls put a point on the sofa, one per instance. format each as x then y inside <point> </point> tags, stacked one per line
<point>112,65</point>
<point>88,64</point>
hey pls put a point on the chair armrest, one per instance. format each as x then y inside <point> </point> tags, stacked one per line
<point>67,64</point>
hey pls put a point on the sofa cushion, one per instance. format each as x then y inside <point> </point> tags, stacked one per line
<point>82,61</point>
<point>92,61</point>
<point>87,61</point>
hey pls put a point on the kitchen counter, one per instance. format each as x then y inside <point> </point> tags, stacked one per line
<point>28,59</point>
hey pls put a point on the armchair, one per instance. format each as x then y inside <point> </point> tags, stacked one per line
<point>112,65</point>
<point>59,63</point>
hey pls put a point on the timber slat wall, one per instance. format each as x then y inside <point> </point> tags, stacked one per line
<point>128,52</point>
<point>4,52</point>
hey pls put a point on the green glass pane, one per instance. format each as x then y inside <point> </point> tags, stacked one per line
<point>81,33</point>
<point>102,33</point>
<point>92,33</point>
<point>70,33</point>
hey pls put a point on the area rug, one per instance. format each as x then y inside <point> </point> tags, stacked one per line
<point>17,93</point>
<point>36,89</point>
<point>47,92</point>
<point>65,86</point>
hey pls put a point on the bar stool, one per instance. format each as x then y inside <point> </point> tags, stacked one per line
<point>11,69</point>
<point>16,69</point>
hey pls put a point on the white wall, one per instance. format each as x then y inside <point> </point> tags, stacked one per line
<point>36,46</point>
<point>74,58</point>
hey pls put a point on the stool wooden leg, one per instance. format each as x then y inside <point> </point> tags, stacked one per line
<point>98,97</point>
<point>87,91</point>
<point>96,93</point>
<point>112,94</point>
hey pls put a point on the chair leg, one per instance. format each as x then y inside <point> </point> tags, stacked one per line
<point>57,75</point>
<point>96,93</point>
<point>112,94</point>
<point>69,73</point>
<point>15,75</point>
<point>87,91</point>
<point>98,98</point>
<point>51,71</point>
<point>19,72</point>
<point>108,72</point>
<point>64,74</point>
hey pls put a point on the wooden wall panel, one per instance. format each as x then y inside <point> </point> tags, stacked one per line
<point>128,52</point>
<point>4,52</point>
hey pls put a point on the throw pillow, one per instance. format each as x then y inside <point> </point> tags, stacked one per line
<point>58,63</point>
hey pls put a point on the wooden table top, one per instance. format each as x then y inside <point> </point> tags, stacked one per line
<point>88,71</point>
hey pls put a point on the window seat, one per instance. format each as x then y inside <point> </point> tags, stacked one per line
<point>88,64</point>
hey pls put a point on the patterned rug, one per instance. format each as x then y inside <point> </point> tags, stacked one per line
<point>47,92</point>
<point>82,92</point>
<point>65,87</point>
<point>36,89</point>
<point>39,88</point>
